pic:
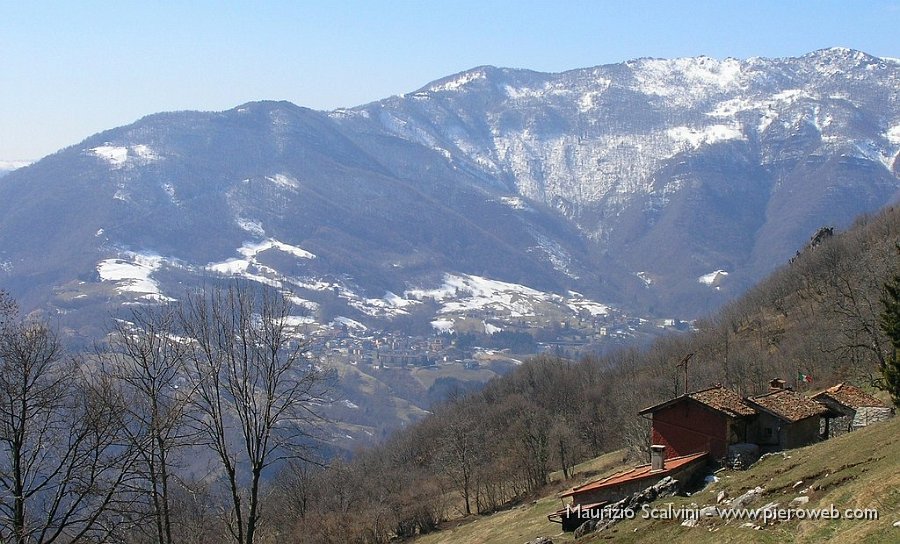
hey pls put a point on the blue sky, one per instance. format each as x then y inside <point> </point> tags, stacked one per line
<point>71,69</point>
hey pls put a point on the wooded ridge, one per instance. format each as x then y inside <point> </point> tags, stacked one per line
<point>199,426</point>
<point>817,316</point>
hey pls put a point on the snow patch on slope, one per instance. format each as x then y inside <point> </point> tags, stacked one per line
<point>298,320</point>
<point>519,93</point>
<point>694,138</point>
<point>893,134</point>
<point>169,189</point>
<point>686,79</point>
<point>646,278</point>
<point>144,153</point>
<point>411,132</point>
<point>251,249</point>
<point>457,82</point>
<point>349,323</point>
<point>133,274</point>
<point>284,180</point>
<point>579,304</point>
<point>515,203</point>
<point>713,279</point>
<point>588,100</point>
<point>768,109</point>
<point>616,163</point>
<point>249,225</point>
<point>114,155</point>
<point>557,255</point>
<point>442,325</point>
<point>870,151</point>
<point>249,266</point>
<point>391,305</point>
<point>121,156</point>
<point>468,294</point>
<point>490,328</point>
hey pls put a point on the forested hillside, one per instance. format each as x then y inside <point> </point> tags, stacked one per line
<point>817,315</point>
<point>204,416</point>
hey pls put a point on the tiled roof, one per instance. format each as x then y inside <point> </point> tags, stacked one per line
<point>718,398</point>
<point>851,396</point>
<point>637,473</point>
<point>788,405</point>
<point>723,400</point>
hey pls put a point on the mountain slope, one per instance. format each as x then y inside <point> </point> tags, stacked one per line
<point>191,194</point>
<point>720,164</point>
<point>626,183</point>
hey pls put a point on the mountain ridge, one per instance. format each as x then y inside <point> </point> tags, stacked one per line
<point>628,182</point>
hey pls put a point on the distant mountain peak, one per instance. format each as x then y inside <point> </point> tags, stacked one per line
<point>840,52</point>
<point>269,106</point>
<point>590,180</point>
<point>463,80</point>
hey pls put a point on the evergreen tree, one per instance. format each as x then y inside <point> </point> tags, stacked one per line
<point>890,324</point>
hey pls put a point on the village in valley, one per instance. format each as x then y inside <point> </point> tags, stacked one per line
<point>479,338</point>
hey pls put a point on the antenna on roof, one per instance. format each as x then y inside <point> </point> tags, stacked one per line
<point>725,361</point>
<point>684,365</point>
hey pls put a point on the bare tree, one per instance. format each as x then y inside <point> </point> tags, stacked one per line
<point>459,447</point>
<point>255,389</point>
<point>565,445</point>
<point>63,468</point>
<point>147,362</point>
<point>534,438</point>
<point>8,308</point>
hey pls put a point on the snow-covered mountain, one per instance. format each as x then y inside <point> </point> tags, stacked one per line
<point>652,186</point>
<point>676,168</point>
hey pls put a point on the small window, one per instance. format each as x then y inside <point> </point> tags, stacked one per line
<point>768,432</point>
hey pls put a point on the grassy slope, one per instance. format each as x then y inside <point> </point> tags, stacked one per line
<point>857,470</point>
<point>529,520</point>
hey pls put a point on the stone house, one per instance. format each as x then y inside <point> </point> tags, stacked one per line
<point>849,408</point>
<point>786,419</point>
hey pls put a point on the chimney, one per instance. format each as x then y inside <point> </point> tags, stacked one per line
<point>777,384</point>
<point>657,457</point>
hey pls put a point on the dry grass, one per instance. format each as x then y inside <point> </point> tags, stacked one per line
<point>592,469</point>
<point>526,521</point>
<point>857,470</point>
<point>516,525</point>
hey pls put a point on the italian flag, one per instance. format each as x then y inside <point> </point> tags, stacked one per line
<point>801,377</point>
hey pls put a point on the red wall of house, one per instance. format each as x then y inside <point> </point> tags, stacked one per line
<point>688,427</point>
